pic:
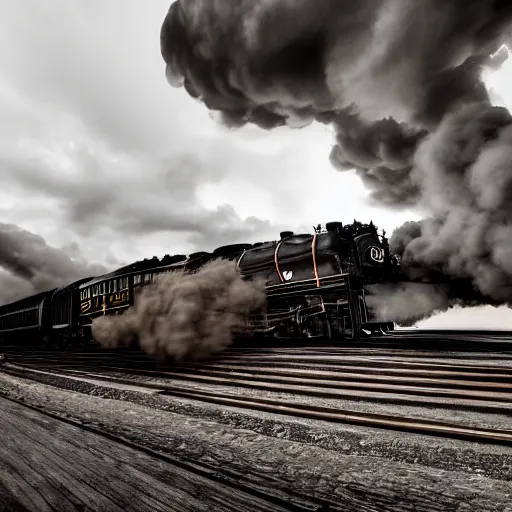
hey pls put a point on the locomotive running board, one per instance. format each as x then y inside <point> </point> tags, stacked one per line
<point>309,285</point>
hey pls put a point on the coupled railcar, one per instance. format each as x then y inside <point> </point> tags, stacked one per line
<point>29,317</point>
<point>315,284</point>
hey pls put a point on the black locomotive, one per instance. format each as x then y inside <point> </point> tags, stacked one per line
<point>316,285</point>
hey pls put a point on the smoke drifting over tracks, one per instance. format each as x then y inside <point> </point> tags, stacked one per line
<point>185,316</point>
<point>400,83</point>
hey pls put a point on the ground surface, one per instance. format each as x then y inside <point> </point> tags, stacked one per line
<point>48,465</point>
<point>347,467</point>
<point>219,457</point>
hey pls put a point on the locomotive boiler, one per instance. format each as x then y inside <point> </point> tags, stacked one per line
<point>316,284</point>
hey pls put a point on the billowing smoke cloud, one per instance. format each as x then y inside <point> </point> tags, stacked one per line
<point>31,266</point>
<point>406,303</point>
<point>467,184</point>
<point>384,73</point>
<point>185,316</point>
<point>400,82</point>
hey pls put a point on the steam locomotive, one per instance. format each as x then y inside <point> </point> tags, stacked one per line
<point>315,285</point>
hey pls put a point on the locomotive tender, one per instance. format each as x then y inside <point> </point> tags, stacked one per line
<point>315,284</point>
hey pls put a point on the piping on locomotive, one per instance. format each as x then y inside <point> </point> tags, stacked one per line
<point>315,286</point>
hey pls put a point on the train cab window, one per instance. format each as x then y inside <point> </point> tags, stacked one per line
<point>124,282</point>
<point>147,278</point>
<point>112,286</point>
<point>95,290</point>
<point>137,279</point>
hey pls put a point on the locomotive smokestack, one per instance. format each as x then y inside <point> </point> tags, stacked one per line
<point>285,234</point>
<point>424,142</point>
<point>333,226</point>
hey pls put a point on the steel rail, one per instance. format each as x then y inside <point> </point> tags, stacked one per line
<point>352,372</point>
<point>318,387</point>
<point>427,427</point>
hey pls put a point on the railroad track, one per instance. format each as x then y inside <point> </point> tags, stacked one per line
<point>409,349</point>
<point>276,384</point>
<point>411,364</point>
<point>272,379</point>
<point>409,396</point>
<point>477,387</point>
<point>429,427</point>
<point>476,376</point>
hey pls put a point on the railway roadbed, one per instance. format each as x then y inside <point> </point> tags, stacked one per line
<point>274,458</point>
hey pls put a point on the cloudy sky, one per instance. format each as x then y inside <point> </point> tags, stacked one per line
<point>102,159</point>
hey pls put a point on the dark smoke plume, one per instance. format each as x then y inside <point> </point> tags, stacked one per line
<point>400,82</point>
<point>185,316</point>
<point>31,266</point>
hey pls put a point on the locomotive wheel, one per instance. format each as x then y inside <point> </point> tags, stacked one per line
<point>386,328</point>
<point>63,341</point>
<point>318,327</point>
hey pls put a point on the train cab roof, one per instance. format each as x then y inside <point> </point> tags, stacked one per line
<point>100,279</point>
<point>26,302</point>
<point>151,265</point>
<point>116,274</point>
<point>72,286</point>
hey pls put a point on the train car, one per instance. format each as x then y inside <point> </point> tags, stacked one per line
<point>113,293</point>
<point>316,283</point>
<point>28,319</point>
<point>65,319</point>
<point>108,294</point>
<point>316,286</point>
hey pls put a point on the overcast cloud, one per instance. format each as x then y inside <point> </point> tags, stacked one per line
<point>95,146</point>
<point>100,157</point>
